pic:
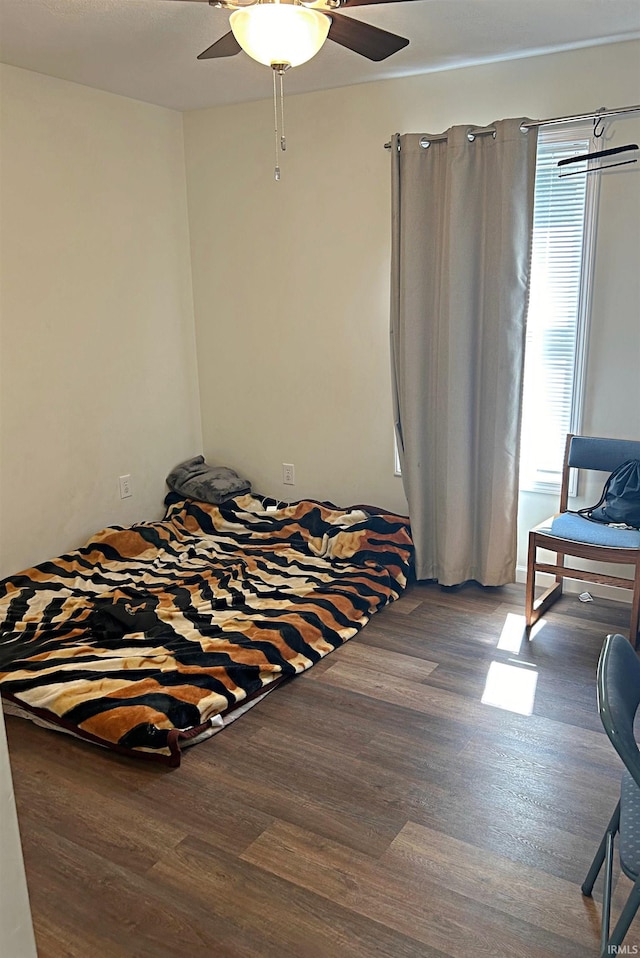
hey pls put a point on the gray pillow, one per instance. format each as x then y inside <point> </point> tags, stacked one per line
<point>196,480</point>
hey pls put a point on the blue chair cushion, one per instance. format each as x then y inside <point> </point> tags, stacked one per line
<point>568,525</point>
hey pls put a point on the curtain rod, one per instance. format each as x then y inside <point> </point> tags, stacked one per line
<point>533,123</point>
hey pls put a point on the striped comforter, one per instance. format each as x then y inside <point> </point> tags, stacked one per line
<point>141,640</point>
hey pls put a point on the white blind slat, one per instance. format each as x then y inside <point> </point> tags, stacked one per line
<point>557,316</point>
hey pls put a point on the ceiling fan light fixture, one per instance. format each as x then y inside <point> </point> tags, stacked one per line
<point>280,33</point>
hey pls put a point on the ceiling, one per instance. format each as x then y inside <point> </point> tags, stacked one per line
<point>147,49</point>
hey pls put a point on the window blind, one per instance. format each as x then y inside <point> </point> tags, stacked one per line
<point>557,319</point>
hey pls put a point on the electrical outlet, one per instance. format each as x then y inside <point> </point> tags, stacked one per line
<point>126,487</point>
<point>288,474</point>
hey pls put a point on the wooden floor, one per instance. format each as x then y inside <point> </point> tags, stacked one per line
<point>381,804</point>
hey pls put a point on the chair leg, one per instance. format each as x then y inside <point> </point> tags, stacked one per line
<point>530,588</point>
<point>606,894</point>
<point>634,625</point>
<point>626,917</point>
<point>534,608</point>
<point>596,864</point>
<point>544,602</point>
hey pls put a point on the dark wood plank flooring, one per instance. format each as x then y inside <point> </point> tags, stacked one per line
<point>374,807</point>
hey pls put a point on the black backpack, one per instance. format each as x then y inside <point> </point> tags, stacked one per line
<point>620,499</point>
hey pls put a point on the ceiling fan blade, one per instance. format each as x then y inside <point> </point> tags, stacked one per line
<point>369,3</point>
<point>226,46</point>
<point>362,38</point>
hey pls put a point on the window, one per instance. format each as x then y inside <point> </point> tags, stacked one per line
<point>557,320</point>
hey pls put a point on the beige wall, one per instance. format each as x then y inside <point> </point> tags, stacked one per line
<point>97,354</point>
<point>291,279</point>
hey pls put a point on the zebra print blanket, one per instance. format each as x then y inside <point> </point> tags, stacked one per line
<point>141,640</point>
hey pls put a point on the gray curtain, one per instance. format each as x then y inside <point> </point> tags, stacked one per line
<point>462,214</point>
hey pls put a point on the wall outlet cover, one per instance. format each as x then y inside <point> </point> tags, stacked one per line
<point>126,487</point>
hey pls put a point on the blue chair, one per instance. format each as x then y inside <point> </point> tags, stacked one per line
<point>618,699</point>
<point>568,534</point>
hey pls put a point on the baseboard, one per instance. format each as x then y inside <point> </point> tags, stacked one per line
<point>578,586</point>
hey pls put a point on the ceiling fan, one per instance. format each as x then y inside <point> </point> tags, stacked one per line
<point>286,33</point>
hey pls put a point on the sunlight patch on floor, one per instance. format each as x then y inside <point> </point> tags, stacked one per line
<point>514,632</point>
<point>511,687</point>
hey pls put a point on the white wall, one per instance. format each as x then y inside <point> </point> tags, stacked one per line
<point>97,353</point>
<point>291,279</point>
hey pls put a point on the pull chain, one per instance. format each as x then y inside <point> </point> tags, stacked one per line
<point>280,138</point>
<point>276,171</point>
<point>283,139</point>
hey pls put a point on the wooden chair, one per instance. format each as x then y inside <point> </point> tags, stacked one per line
<point>568,534</point>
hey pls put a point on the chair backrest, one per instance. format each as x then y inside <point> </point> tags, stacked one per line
<point>619,697</point>
<point>589,452</point>
<point>593,452</point>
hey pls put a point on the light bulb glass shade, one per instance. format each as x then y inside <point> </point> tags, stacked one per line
<point>280,32</point>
